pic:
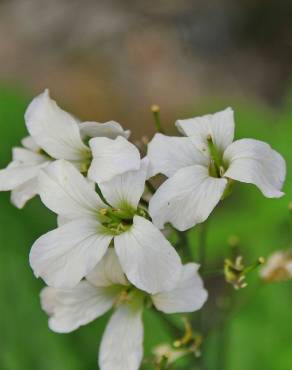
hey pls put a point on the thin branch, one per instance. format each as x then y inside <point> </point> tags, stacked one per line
<point>202,245</point>
<point>156,115</point>
<point>175,331</point>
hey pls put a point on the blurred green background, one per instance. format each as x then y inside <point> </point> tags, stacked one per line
<point>191,59</point>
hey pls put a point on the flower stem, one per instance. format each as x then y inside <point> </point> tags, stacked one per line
<point>183,245</point>
<point>156,114</point>
<point>202,260</point>
<point>173,329</point>
<point>202,245</point>
<point>223,344</point>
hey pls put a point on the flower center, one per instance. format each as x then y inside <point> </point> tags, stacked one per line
<point>216,167</point>
<point>131,296</point>
<point>117,221</point>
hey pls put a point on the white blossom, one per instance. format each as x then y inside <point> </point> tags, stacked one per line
<point>54,134</point>
<point>278,266</point>
<point>89,224</point>
<point>106,287</point>
<point>202,165</point>
<point>111,158</point>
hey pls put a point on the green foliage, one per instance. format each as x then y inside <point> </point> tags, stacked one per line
<point>260,334</point>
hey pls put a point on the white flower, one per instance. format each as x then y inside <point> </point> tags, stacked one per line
<point>65,255</point>
<point>106,287</point>
<point>21,174</point>
<point>278,267</point>
<point>201,165</point>
<point>54,134</point>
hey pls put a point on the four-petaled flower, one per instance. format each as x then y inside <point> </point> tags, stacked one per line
<point>54,134</point>
<point>202,166</point>
<point>65,255</point>
<point>105,287</point>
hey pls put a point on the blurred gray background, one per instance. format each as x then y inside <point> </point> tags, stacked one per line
<point>109,59</point>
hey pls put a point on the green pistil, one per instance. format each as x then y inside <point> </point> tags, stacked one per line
<point>116,221</point>
<point>216,167</point>
<point>133,297</point>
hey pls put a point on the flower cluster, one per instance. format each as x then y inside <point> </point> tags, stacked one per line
<point>109,249</point>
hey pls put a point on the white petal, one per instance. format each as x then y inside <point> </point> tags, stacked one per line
<point>62,220</point>
<point>110,129</point>
<point>108,271</point>
<point>168,154</point>
<point>29,143</point>
<point>189,295</point>
<point>126,189</point>
<point>112,158</point>
<point>16,174</point>
<point>23,193</point>
<point>186,199</point>
<point>122,342</point>
<point>66,192</point>
<point>219,125</point>
<point>27,156</point>
<point>54,130</point>
<point>255,162</point>
<point>147,258</point>
<point>62,257</point>
<point>71,308</point>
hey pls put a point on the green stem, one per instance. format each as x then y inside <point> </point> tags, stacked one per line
<point>223,344</point>
<point>225,321</point>
<point>202,260</point>
<point>202,245</point>
<point>156,114</point>
<point>174,330</point>
<point>183,245</point>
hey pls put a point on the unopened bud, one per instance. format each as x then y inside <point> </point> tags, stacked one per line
<point>235,271</point>
<point>233,241</point>
<point>155,108</point>
<point>156,115</point>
